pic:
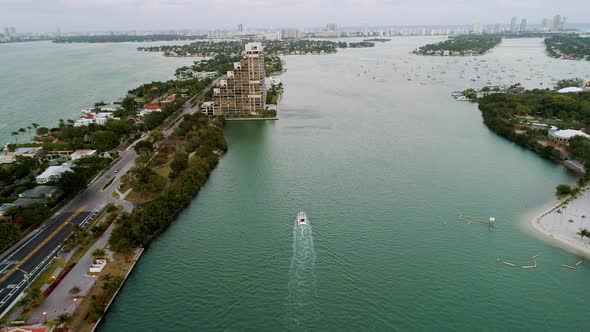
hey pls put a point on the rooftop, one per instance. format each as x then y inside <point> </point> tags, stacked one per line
<point>38,191</point>
<point>568,133</point>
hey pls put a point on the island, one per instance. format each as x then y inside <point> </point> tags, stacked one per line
<point>462,45</point>
<point>124,38</point>
<point>553,124</point>
<point>568,46</point>
<point>282,47</point>
<point>379,40</point>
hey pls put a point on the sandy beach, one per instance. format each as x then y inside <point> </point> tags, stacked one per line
<point>560,223</point>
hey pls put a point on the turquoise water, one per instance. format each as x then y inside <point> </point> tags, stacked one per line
<point>42,82</point>
<point>383,166</point>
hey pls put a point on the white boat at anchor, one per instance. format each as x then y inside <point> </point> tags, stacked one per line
<point>302,219</point>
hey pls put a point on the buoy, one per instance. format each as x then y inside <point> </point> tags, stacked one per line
<point>568,266</point>
<point>509,264</point>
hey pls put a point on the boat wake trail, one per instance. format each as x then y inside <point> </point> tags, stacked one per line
<point>302,283</point>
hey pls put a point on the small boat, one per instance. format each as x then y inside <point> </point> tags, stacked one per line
<point>302,219</point>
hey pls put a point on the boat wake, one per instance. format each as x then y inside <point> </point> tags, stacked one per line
<point>302,283</point>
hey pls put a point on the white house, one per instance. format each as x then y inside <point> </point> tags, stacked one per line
<point>52,173</point>
<point>83,153</point>
<point>566,134</point>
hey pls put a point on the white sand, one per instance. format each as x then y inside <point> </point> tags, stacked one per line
<point>558,228</point>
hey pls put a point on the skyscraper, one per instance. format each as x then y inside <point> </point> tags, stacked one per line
<point>522,25</point>
<point>557,22</point>
<point>366,30</point>
<point>6,32</point>
<point>546,24</point>
<point>243,90</point>
<point>240,28</point>
<point>477,28</point>
<point>331,27</point>
<point>513,24</point>
<point>12,31</point>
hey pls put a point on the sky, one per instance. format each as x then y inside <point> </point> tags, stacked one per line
<point>119,15</point>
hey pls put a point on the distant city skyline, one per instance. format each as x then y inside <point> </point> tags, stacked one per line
<point>37,16</point>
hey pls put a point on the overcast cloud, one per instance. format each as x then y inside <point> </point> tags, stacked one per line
<point>92,15</point>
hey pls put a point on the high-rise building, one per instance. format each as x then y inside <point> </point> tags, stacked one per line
<point>557,22</point>
<point>497,28</point>
<point>7,32</point>
<point>513,24</point>
<point>563,21</point>
<point>477,28</point>
<point>522,27</point>
<point>366,30</point>
<point>243,90</point>
<point>331,27</point>
<point>291,34</point>
<point>546,24</point>
<point>240,28</point>
<point>12,31</point>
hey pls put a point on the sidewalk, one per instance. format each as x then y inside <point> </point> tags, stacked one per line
<point>60,300</point>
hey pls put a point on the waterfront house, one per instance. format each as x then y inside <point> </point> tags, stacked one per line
<point>90,117</point>
<point>52,173</point>
<point>8,157</point>
<point>149,108</point>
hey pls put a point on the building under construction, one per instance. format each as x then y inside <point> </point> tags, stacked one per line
<point>243,90</point>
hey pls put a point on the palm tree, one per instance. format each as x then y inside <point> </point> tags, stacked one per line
<point>35,125</point>
<point>15,134</point>
<point>106,278</point>
<point>29,130</point>
<point>98,253</point>
<point>582,233</point>
<point>35,295</point>
<point>63,319</point>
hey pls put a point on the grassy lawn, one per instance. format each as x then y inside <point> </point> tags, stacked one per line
<point>118,267</point>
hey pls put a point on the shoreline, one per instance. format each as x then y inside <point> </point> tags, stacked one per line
<point>555,228</point>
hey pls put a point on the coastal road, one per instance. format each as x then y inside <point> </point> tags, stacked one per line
<point>187,107</point>
<point>24,263</point>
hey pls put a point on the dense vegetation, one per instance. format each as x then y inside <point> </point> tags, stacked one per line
<point>198,133</point>
<point>568,46</point>
<point>570,111</point>
<point>461,45</point>
<point>280,47</point>
<point>124,38</point>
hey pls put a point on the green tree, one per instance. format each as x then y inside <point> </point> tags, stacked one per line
<point>178,164</point>
<point>42,131</point>
<point>144,146</point>
<point>15,134</point>
<point>105,140</point>
<point>120,127</point>
<point>72,182</point>
<point>98,253</point>
<point>9,234</point>
<point>563,190</point>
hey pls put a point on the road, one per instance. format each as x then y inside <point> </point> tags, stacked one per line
<point>27,261</point>
<point>187,107</point>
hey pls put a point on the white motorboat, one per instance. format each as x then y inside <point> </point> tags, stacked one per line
<point>302,219</point>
